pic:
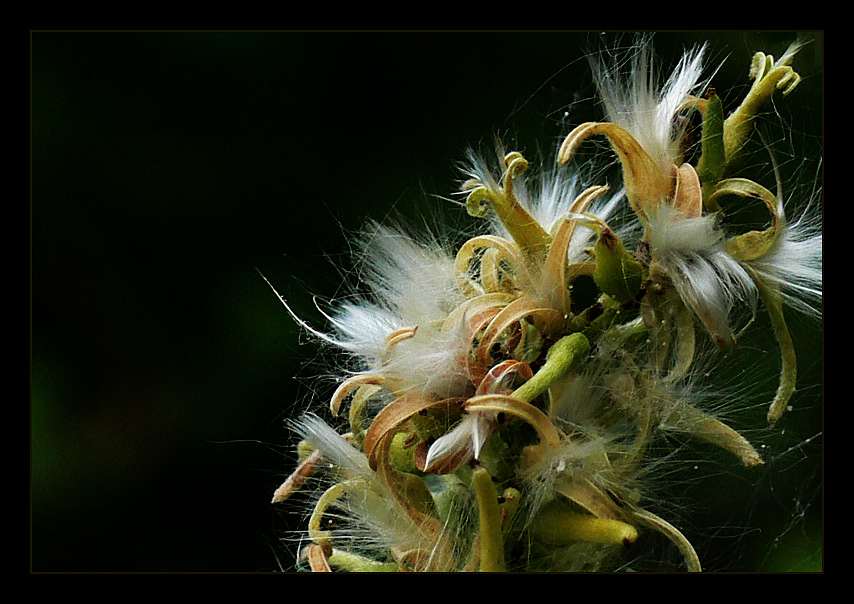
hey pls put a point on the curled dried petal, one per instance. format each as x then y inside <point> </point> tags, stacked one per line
<point>318,558</point>
<point>504,250</point>
<point>349,385</point>
<point>549,435</point>
<point>753,244</point>
<point>647,183</point>
<point>650,520</point>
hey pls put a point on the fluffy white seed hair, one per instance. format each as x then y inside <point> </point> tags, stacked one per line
<point>635,100</point>
<point>334,447</point>
<point>411,283</point>
<point>794,265</point>
<point>707,278</point>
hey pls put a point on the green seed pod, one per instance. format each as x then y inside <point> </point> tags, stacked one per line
<point>456,508</point>
<point>402,456</point>
<point>617,273</point>
<point>559,525</point>
<point>712,162</point>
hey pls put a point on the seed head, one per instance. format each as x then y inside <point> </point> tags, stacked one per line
<point>499,420</point>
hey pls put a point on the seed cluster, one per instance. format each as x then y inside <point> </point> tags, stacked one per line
<point>499,423</point>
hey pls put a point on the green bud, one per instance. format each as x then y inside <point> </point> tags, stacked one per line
<point>617,273</point>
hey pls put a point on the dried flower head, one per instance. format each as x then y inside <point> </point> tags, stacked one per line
<point>496,422</point>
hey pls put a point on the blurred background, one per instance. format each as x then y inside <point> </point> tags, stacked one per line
<point>170,170</point>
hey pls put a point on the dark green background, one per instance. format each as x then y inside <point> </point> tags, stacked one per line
<point>169,168</point>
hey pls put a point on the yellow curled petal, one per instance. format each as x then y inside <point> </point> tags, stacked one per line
<point>753,244</point>
<point>478,201</point>
<point>349,385</point>
<point>504,251</point>
<point>528,234</point>
<point>332,494</point>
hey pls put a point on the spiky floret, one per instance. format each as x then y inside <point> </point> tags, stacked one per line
<point>495,421</point>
